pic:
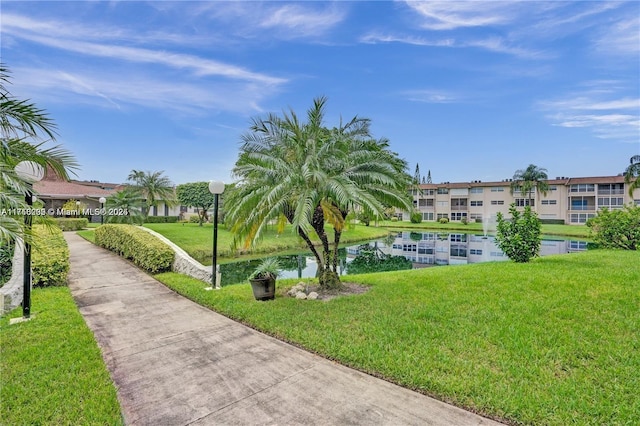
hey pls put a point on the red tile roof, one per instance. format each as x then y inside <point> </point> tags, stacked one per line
<point>68,190</point>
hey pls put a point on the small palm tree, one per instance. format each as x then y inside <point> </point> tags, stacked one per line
<point>127,206</point>
<point>153,187</point>
<point>312,177</point>
<point>530,180</point>
<point>632,174</point>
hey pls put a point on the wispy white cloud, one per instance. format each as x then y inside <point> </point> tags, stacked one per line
<point>622,37</point>
<point>104,89</point>
<point>600,109</point>
<point>432,96</point>
<point>493,44</point>
<point>61,39</point>
<point>448,15</point>
<point>302,20</point>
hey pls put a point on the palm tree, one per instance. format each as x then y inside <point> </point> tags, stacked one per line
<point>311,177</point>
<point>127,205</point>
<point>24,132</point>
<point>153,187</point>
<point>632,174</point>
<point>531,179</point>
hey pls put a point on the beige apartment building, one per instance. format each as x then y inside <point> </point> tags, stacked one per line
<point>568,200</point>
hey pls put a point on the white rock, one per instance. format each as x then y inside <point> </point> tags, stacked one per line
<point>312,296</point>
<point>301,295</point>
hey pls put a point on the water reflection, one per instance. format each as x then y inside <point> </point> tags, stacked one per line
<point>423,249</point>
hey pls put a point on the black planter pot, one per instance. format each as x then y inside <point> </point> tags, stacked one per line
<point>263,288</point>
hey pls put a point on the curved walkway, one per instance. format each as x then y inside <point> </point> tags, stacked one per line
<point>177,363</point>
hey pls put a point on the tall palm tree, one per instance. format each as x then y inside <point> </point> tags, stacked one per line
<point>311,176</point>
<point>24,132</point>
<point>154,187</point>
<point>530,180</point>
<point>128,203</point>
<point>632,174</point>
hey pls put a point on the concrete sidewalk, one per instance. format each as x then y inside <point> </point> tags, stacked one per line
<point>177,363</point>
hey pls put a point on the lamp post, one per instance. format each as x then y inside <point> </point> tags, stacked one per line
<point>29,172</point>
<point>102,201</point>
<point>216,188</point>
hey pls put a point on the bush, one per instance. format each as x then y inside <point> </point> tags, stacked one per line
<point>194,219</point>
<point>618,229</point>
<point>416,217</point>
<point>49,257</point>
<point>443,220</point>
<point>394,219</point>
<point>552,221</point>
<point>142,248</point>
<point>71,224</point>
<point>464,221</point>
<point>161,219</point>
<point>519,238</point>
<point>6,259</point>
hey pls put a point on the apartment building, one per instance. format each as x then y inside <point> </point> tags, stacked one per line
<point>570,200</point>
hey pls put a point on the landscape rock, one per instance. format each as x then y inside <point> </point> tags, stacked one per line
<point>301,295</point>
<point>312,296</point>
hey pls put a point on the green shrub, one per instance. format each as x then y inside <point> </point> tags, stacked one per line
<point>464,221</point>
<point>6,259</point>
<point>161,219</point>
<point>519,238</point>
<point>443,220</point>
<point>617,228</point>
<point>194,219</point>
<point>394,219</point>
<point>71,224</point>
<point>49,257</point>
<point>142,248</point>
<point>415,217</point>
<point>552,221</point>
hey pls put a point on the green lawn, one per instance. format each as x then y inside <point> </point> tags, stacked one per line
<point>552,342</point>
<point>198,240</point>
<point>52,370</point>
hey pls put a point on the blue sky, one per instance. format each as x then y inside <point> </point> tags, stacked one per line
<point>468,90</point>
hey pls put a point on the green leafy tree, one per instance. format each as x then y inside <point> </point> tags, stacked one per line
<point>25,131</point>
<point>196,194</point>
<point>154,188</point>
<point>618,229</point>
<point>311,176</point>
<point>126,205</point>
<point>520,237</point>
<point>632,174</point>
<point>529,181</point>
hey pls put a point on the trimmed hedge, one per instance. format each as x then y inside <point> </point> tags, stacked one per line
<point>552,221</point>
<point>142,248</point>
<point>71,224</point>
<point>162,219</point>
<point>49,257</point>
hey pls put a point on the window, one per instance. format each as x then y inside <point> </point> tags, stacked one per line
<point>610,189</point>
<point>443,203</point>
<point>497,189</point>
<point>476,203</point>
<point>443,191</point>
<point>428,191</point>
<point>577,245</point>
<point>475,216</point>
<point>458,251</point>
<point>427,216</point>
<point>476,251</point>
<point>613,202</point>
<point>497,202</point>
<point>581,217</point>
<point>549,202</point>
<point>553,188</point>
<point>522,202</point>
<point>582,187</point>
<point>458,215</point>
<point>426,202</point>
<point>476,190</point>
<point>441,215</point>
<point>459,202</point>
<point>425,250</point>
<point>458,238</point>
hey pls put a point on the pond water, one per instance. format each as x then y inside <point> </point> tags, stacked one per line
<point>423,249</point>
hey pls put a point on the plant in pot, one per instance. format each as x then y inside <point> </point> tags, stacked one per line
<point>263,279</point>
